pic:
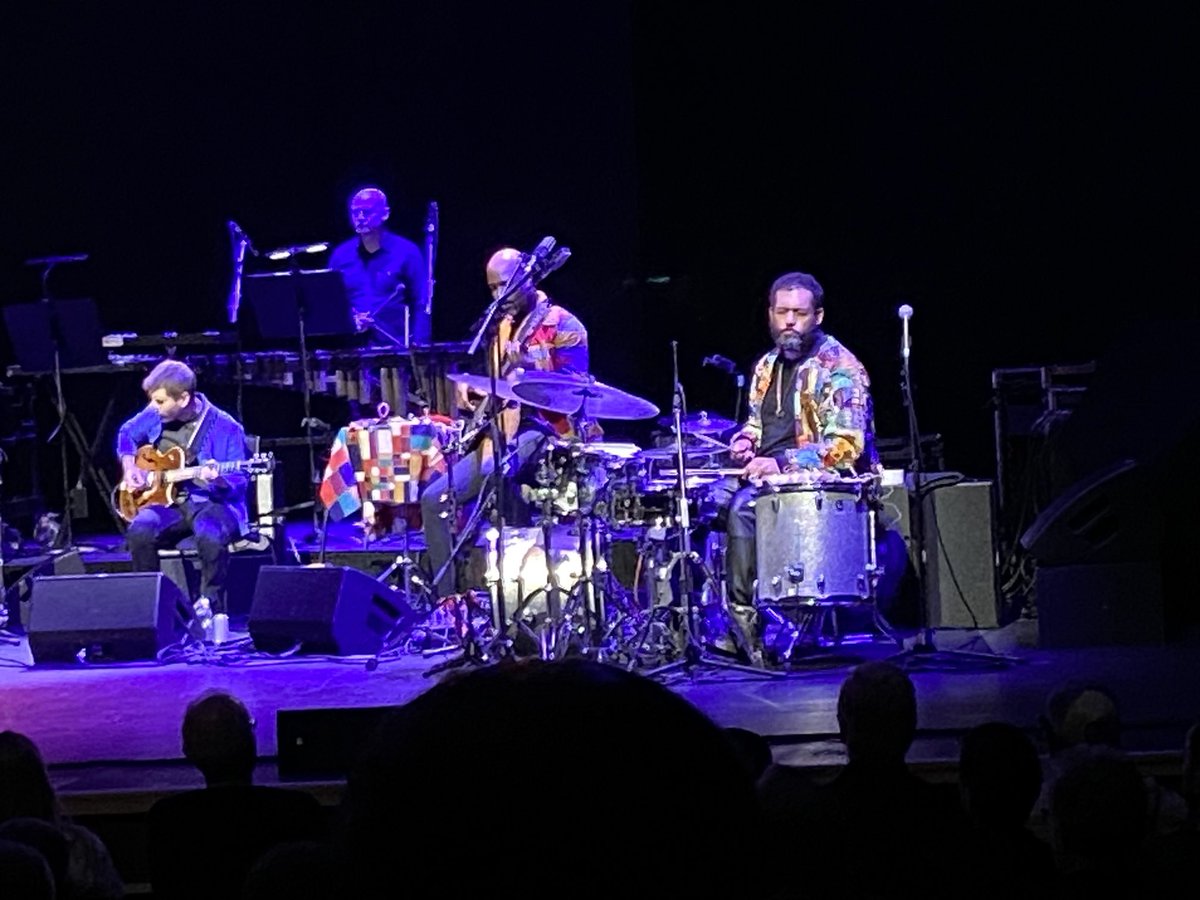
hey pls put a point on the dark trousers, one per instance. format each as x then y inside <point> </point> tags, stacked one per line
<point>736,499</point>
<point>163,527</point>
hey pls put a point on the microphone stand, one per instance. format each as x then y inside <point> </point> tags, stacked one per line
<point>314,477</point>
<point>431,239</point>
<point>61,430</point>
<point>693,652</point>
<point>924,653</point>
<point>489,494</point>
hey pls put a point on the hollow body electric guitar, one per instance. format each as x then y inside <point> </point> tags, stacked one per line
<point>506,345</point>
<point>165,471</point>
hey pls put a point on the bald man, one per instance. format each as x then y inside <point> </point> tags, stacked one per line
<point>385,275</point>
<point>546,337</point>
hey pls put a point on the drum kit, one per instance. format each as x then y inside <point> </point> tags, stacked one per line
<point>605,509</point>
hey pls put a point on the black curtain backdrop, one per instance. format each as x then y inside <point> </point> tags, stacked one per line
<point>1017,173</point>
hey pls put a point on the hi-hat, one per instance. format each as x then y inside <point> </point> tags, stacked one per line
<point>702,422</point>
<point>667,454</point>
<point>572,393</point>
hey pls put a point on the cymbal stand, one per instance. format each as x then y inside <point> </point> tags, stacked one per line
<point>693,653</point>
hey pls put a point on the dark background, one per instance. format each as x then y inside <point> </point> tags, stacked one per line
<point>1018,174</point>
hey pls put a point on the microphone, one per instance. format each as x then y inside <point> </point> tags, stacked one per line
<point>431,219</point>
<point>539,254</point>
<point>905,312</point>
<point>721,362</point>
<point>552,263</point>
<point>55,260</point>
<point>235,232</point>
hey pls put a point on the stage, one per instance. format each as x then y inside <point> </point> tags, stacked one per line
<point>88,716</point>
<point>110,733</point>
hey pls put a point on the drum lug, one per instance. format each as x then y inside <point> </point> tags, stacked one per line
<point>795,573</point>
<point>820,585</point>
<point>862,586</point>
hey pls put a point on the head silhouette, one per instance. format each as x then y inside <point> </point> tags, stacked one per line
<point>877,713</point>
<point>564,758</point>
<point>218,739</point>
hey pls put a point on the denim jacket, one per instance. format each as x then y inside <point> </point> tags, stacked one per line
<point>224,440</point>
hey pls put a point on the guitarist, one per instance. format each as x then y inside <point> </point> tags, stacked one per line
<point>532,333</point>
<point>213,506</point>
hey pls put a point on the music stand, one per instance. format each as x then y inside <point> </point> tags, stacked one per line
<point>289,308</point>
<point>48,337</point>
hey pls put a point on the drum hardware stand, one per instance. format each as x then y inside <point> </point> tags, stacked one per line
<point>547,635</point>
<point>474,650</point>
<point>924,653</point>
<point>560,609</point>
<point>693,652</point>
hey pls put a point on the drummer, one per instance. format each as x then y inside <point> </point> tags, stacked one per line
<point>810,410</point>
<point>535,334</point>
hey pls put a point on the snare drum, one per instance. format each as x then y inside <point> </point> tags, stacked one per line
<point>815,540</point>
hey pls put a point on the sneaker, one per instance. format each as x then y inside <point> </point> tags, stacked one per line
<point>203,621</point>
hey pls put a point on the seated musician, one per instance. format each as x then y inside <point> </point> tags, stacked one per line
<point>212,507</point>
<point>810,396</point>
<point>533,333</point>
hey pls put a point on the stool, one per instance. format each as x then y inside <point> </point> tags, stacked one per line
<point>246,556</point>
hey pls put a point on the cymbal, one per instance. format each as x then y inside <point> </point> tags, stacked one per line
<point>702,422</point>
<point>572,393</point>
<point>483,383</point>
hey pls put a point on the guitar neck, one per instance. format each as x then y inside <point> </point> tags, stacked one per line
<point>189,472</point>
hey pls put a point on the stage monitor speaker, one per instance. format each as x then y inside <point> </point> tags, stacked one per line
<point>323,744</point>
<point>21,573</point>
<point>106,617</point>
<point>1110,516</point>
<point>332,610</point>
<point>960,571</point>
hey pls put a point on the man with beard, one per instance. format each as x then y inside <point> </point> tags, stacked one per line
<point>810,408</point>
<point>532,333</point>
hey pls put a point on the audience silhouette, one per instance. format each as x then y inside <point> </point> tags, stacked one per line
<point>203,843</point>
<point>876,829</point>
<point>26,793</point>
<point>24,873</point>
<point>999,779</point>
<point>569,777</point>
<point>1086,714</point>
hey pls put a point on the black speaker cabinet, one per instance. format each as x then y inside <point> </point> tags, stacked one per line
<point>960,572</point>
<point>21,573</point>
<point>105,617</point>
<point>320,744</point>
<point>1100,604</point>
<point>324,609</point>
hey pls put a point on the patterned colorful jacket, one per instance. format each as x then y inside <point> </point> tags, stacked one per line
<point>558,343</point>
<point>832,409</point>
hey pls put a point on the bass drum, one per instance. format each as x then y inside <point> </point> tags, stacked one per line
<point>815,542</point>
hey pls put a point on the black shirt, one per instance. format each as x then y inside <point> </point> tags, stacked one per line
<point>779,410</point>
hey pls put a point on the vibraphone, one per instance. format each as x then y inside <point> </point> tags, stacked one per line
<point>342,373</point>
